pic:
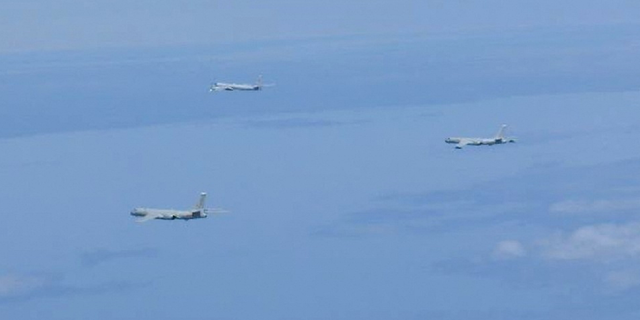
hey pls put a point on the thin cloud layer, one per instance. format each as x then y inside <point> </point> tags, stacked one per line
<point>594,206</point>
<point>509,249</point>
<point>19,288</point>
<point>601,243</point>
<point>16,285</point>
<point>99,256</point>
<point>606,253</point>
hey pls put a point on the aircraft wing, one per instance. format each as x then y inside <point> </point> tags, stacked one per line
<point>462,143</point>
<point>220,88</point>
<point>148,217</point>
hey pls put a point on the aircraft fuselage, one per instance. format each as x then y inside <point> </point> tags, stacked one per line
<point>219,86</point>
<point>460,142</point>
<point>162,214</point>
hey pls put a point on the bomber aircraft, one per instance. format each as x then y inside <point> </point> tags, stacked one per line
<point>222,86</point>
<point>498,139</point>
<point>198,212</point>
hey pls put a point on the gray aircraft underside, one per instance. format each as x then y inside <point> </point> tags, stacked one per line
<point>498,139</point>
<point>222,86</point>
<point>198,212</point>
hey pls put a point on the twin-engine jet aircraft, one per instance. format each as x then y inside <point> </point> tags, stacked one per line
<point>198,212</point>
<point>221,86</point>
<point>498,139</point>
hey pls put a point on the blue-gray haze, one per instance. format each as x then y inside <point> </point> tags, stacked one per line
<point>345,201</point>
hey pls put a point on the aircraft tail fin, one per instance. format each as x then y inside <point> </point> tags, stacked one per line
<point>500,134</point>
<point>259,83</point>
<point>201,201</point>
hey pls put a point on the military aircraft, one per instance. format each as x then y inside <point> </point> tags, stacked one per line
<point>221,86</point>
<point>498,139</point>
<point>198,212</point>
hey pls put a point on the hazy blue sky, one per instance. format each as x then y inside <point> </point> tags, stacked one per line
<point>74,24</point>
<point>346,202</point>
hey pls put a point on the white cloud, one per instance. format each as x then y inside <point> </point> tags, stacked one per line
<point>509,249</point>
<point>593,206</point>
<point>603,242</point>
<point>11,285</point>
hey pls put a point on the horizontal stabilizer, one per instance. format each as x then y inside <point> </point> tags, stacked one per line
<point>217,211</point>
